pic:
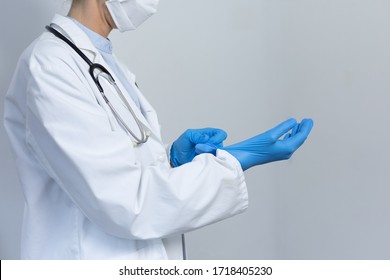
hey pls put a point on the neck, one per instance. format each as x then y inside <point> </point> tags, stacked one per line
<point>93,15</point>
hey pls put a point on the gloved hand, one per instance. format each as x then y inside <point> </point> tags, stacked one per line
<point>268,147</point>
<point>183,149</point>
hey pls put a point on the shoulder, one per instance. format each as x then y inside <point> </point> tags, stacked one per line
<point>47,51</point>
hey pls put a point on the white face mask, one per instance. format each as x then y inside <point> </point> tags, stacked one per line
<point>129,14</point>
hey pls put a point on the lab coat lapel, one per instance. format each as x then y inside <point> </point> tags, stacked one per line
<point>147,113</point>
<point>150,114</point>
<point>76,35</point>
<point>141,113</point>
<point>122,109</point>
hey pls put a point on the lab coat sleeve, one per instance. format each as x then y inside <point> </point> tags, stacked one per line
<point>70,135</point>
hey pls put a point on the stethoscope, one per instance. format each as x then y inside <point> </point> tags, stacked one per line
<point>103,72</point>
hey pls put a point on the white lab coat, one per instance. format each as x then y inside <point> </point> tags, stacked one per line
<point>89,192</point>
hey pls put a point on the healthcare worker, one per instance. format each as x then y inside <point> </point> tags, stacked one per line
<point>98,181</point>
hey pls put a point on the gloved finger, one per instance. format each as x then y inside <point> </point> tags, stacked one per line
<point>306,126</point>
<point>203,135</point>
<point>205,148</point>
<point>295,129</point>
<point>281,129</point>
<point>288,135</point>
<point>214,135</point>
<point>218,136</point>
<point>304,130</point>
<point>293,132</point>
<point>196,136</point>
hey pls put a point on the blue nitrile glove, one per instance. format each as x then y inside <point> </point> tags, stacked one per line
<point>268,147</point>
<point>183,149</point>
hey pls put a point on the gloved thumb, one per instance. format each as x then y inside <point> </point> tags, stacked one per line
<point>205,148</point>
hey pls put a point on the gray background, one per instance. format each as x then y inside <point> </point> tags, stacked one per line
<point>246,65</point>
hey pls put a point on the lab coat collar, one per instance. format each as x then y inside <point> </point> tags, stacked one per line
<point>81,40</point>
<point>76,35</point>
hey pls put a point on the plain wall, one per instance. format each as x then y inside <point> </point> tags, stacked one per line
<point>245,66</point>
